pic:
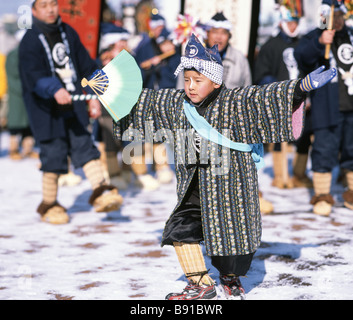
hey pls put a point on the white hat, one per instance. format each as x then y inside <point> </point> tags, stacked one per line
<point>219,21</point>
<point>156,21</point>
<point>110,34</point>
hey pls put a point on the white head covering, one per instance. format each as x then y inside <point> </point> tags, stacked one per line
<point>156,21</point>
<point>111,34</point>
<point>206,61</point>
<point>219,21</point>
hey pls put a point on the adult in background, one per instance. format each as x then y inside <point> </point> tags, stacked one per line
<point>113,40</point>
<point>157,57</point>
<point>332,106</point>
<point>237,71</point>
<point>52,63</point>
<point>17,119</point>
<point>276,62</point>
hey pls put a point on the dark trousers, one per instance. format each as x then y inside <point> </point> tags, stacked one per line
<point>334,146</point>
<point>78,145</point>
<point>185,226</point>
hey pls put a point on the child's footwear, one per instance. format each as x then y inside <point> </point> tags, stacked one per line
<point>322,200</point>
<point>106,199</point>
<point>53,213</point>
<point>195,292</point>
<point>322,204</point>
<point>232,287</point>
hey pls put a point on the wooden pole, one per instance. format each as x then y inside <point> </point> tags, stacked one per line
<point>147,64</point>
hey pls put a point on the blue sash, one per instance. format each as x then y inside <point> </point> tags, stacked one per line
<point>205,130</point>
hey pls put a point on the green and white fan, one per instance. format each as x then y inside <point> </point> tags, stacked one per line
<point>118,85</point>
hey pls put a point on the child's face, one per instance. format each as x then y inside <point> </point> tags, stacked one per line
<point>197,86</point>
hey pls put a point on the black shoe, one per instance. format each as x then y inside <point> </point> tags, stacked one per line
<point>233,290</point>
<point>195,292</point>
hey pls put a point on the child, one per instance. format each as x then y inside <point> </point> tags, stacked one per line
<point>218,204</point>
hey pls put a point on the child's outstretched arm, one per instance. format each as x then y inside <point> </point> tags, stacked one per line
<point>275,112</point>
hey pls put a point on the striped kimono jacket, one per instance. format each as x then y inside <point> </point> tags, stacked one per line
<point>229,194</point>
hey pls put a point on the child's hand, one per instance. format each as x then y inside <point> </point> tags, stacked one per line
<point>317,79</point>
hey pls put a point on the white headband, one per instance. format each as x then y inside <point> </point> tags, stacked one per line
<point>223,24</point>
<point>156,23</point>
<point>110,38</point>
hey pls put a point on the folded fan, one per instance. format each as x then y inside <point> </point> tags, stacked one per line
<point>118,85</point>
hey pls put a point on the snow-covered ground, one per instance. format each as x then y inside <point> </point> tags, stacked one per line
<point>117,256</point>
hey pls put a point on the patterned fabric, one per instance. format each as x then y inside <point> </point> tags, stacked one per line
<point>229,196</point>
<point>307,84</point>
<point>207,61</point>
<point>211,70</point>
<point>205,130</point>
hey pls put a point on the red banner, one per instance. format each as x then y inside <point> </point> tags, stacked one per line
<point>84,17</point>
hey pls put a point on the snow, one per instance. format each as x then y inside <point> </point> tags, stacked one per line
<point>117,256</point>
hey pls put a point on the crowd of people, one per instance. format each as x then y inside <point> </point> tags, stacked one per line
<point>45,71</point>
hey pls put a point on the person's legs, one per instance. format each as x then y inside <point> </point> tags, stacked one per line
<point>201,286</point>
<point>230,269</point>
<point>83,153</point>
<point>303,144</point>
<point>346,161</point>
<point>28,144</point>
<point>14,147</point>
<point>192,262</point>
<point>50,187</point>
<point>324,158</point>
<point>238,265</point>
<point>53,156</point>
<point>280,167</point>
